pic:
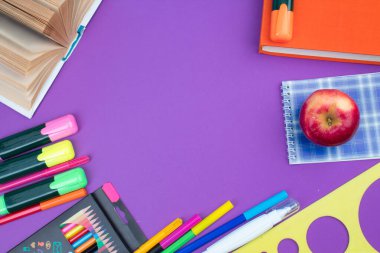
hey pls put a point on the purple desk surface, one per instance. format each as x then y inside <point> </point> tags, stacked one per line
<point>180,112</point>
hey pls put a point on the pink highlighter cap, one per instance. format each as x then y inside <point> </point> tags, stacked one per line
<point>60,128</point>
<point>111,192</point>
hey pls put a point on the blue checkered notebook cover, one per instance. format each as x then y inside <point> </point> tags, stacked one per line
<point>364,89</point>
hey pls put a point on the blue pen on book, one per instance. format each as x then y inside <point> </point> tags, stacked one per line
<point>247,215</point>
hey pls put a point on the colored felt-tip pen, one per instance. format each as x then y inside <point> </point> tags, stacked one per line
<point>200,227</point>
<point>45,173</point>
<point>281,29</point>
<point>176,234</point>
<point>247,215</point>
<point>254,228</point>
<point>38,136</point>
<point>50,188</point>
<point>43,206</point>
<point>34,161</point>
<point>148,245</point>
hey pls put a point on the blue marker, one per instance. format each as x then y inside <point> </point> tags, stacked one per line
<point>247,215</point>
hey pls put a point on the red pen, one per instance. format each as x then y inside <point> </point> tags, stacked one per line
<point>45,173</point>
<point>43,206</point>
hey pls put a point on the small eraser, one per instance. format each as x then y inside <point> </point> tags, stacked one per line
<point>111,192</point>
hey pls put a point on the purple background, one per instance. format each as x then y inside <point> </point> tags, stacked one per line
<point>180,112</point>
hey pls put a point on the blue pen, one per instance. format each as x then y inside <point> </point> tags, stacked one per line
<point>247,215</point>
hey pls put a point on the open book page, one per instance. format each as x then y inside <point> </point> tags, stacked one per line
<point>26,98</point>
<point>56,19</point>
<point>22,49</point>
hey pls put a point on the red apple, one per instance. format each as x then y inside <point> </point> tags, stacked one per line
<point>329,117</point>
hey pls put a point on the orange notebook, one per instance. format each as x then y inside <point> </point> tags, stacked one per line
<point>336,30</point>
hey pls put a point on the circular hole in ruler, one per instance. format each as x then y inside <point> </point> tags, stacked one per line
<point>327,234</point>
<point>287,246</point>
<point>369,214</point>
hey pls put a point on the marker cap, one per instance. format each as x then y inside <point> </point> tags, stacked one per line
<point>265,205</point>
<point>3,206</point>
<point>57,153</point>
<point>278,3</point>
<point>287,208</point>
<point>214,216</point>
<point>69,181</point>
<point>60,128</point>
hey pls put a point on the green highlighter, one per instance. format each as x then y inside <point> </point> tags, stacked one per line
<point>30,195</point>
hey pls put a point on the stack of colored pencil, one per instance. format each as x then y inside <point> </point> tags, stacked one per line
<point>84,233</point>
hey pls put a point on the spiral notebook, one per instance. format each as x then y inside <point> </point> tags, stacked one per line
<point>364,89</point>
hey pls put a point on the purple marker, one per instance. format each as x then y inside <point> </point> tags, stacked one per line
<point>176,234</point>
<point>43,134</point>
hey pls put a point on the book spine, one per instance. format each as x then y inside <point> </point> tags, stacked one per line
<point>288,118</point>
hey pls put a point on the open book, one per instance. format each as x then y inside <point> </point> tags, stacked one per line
<point>36,38</point>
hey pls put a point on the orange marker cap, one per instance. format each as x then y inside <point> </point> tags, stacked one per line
<point>282,21</point>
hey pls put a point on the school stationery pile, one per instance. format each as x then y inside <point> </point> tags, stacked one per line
<point>44,177</point>
<point>36,39</point>
<point>102,223</point>
<point>364,89</point>
<point>326,29</point>
<point>175,236</point>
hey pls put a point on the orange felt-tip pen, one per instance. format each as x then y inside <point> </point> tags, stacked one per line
<point>44,206</point>
<point>281,29</point>
<point>165,232</point>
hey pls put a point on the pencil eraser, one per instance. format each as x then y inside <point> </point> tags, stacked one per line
<point>111,192</point>
<point>60,128</point>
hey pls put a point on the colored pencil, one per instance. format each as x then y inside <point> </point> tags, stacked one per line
<point>78,236</point>
<point>85,245</point>
<point>81,240</point>
<point>74,231</point>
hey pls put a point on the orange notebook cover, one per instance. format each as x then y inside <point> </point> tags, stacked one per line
<point>337,30</point>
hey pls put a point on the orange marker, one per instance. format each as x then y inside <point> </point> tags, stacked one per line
<point>165,232</point>
<point>44,206</point>
<point>281,29</point>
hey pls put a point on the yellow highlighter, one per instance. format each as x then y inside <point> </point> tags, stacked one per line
<point>282,21</point>
<point>166,231</point>
<point>204,224</point>
<point>36,161</point>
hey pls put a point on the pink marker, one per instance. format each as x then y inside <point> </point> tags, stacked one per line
<point>35,137</point>
<point>45,173</point>
<point>176,234</point>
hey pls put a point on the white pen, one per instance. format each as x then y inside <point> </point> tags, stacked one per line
<point>254,228</point>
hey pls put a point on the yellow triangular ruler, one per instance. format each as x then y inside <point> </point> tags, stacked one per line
<point>342,204</point>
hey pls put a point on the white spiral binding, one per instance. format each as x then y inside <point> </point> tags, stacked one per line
<point>288,122</point>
